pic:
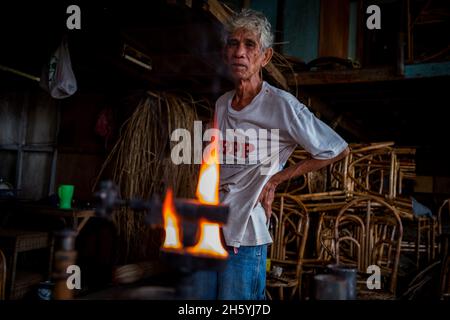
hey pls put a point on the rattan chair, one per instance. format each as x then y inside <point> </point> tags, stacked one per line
<point>15,242</point>
<point>369,231</point>
<point>286,253</point>
<point>444,248</point>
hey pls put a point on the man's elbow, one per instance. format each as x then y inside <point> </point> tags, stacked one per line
<point>343,154</point>
<point>346,152</point>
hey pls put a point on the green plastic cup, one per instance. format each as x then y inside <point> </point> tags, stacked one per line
<point>65,193</point>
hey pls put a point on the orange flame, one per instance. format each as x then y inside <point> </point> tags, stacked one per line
<point>209,242</point>
<point>171,223</point>
<point>208,181</point>
<point>208,193</point>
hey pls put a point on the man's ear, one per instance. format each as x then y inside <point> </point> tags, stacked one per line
<point>267,56</point>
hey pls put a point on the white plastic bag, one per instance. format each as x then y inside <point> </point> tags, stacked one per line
<point>57,76</point>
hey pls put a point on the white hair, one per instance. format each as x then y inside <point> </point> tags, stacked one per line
<point>254,21</point>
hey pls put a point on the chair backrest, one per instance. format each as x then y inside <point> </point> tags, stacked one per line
<point>2,275</point>
<point>369,231</point>
<point>291,230</point>
<point>338,178</point>
<point>325,245</point>
<point>444,244</point>
<point>350,239</point>
<point>444,217</point>
<point>374,172</point>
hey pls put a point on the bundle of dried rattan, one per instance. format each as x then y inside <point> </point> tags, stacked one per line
<point>141,166</point>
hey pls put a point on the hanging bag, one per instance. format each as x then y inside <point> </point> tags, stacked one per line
<point>57,77</point>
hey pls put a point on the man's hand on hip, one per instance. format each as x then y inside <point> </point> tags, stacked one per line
<point>267,196</point>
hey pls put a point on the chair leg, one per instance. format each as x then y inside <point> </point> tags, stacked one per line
<point>418,244</point>
<point>268,295</point>
<point>445,273</point>
<point>293,291</point>
<point>280,291</point>
<point>299,288</point>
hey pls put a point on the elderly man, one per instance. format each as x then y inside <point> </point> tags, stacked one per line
<point>248,187</point>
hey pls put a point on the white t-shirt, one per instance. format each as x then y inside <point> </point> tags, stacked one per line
<point>247,159</point>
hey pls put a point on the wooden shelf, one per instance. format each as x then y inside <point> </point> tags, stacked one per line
<point>367,75</point>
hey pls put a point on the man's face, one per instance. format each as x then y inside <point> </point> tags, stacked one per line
<point>243,54</point>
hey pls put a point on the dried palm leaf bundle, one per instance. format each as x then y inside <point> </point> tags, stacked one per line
<point>141,166</point>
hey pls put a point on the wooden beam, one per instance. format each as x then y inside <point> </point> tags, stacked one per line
<point>344,76</point>
<point>217,10</point>
<point>427,70</point>
<point>413,71</point>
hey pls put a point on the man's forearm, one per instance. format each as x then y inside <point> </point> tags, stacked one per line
<point>305,166</point>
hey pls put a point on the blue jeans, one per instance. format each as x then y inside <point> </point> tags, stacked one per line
<point>244,277</point>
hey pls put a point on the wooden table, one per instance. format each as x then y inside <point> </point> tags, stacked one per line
<point>14,242</point>
<point>73,218</point>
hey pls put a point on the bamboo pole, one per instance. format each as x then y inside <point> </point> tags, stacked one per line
<point>19,73</point>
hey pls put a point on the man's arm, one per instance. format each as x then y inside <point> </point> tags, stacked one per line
<point>268,192</point>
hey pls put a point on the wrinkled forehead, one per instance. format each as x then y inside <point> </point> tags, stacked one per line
<point>245,34</point>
